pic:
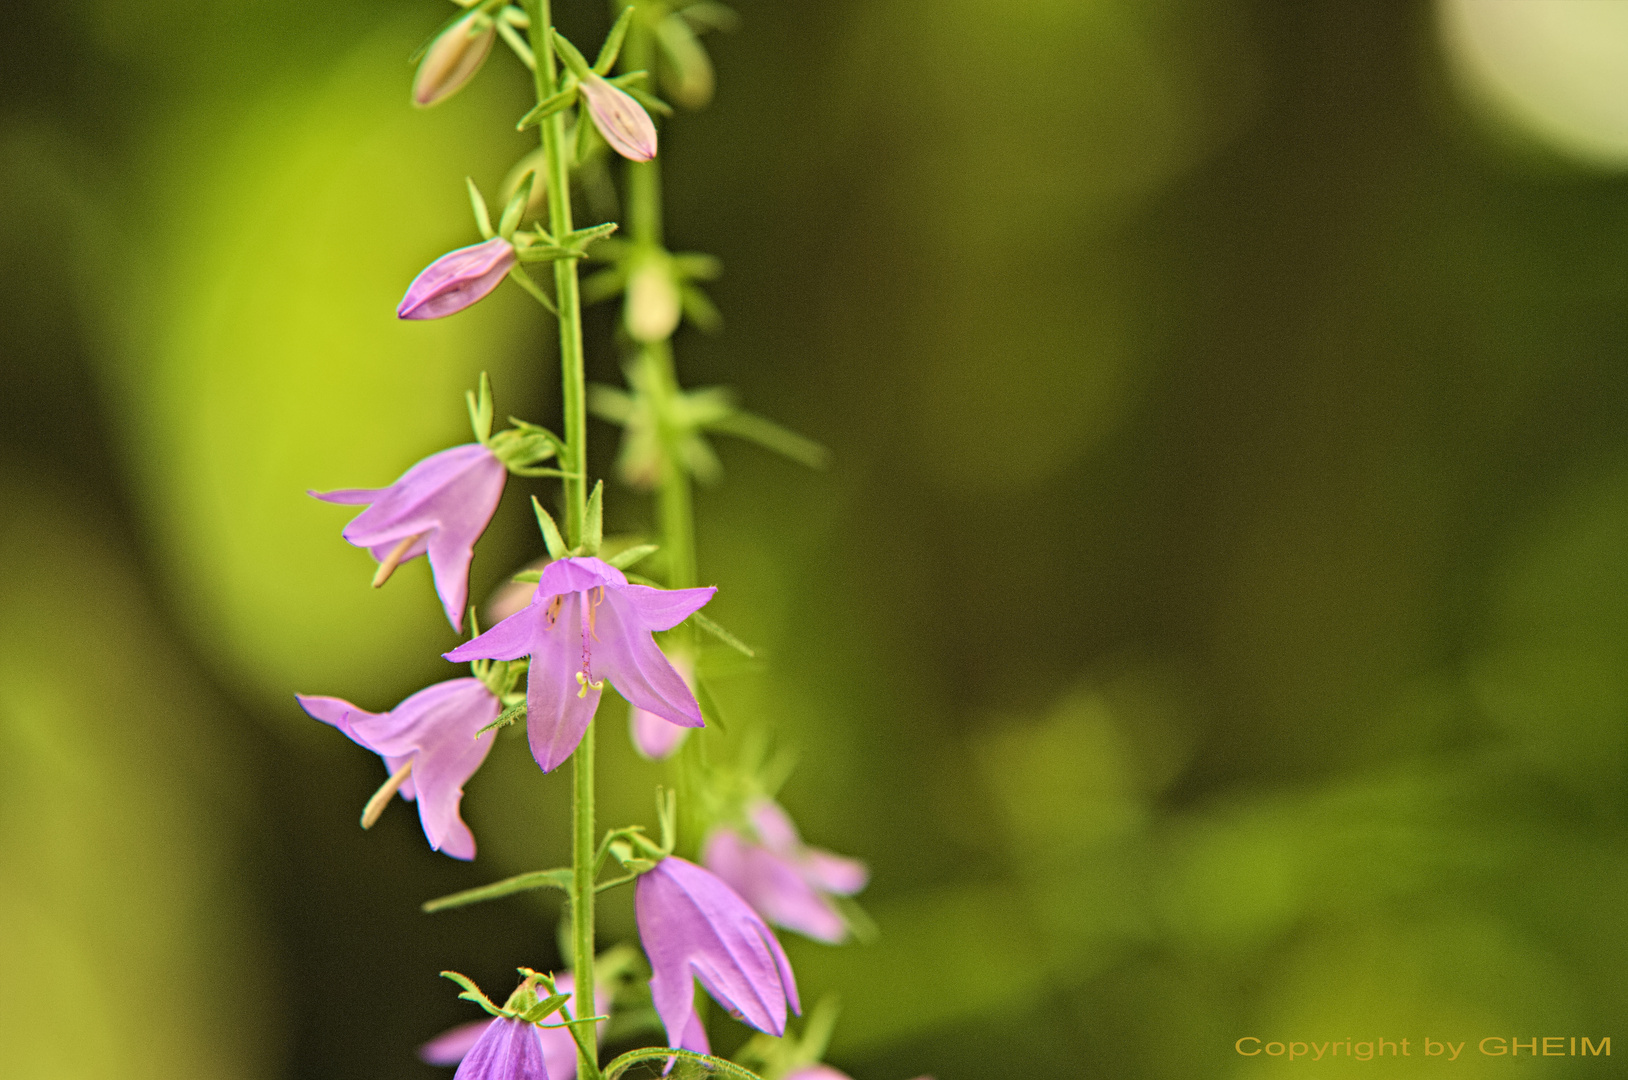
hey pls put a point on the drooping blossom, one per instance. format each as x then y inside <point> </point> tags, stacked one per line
<point>439,506</point>
<point>785,881</point>
<point>654,737</point>
<point>586,624</point>
<point>559,1048</point>
<point>429,748</point>
<point>507,1050</point>
<point>457,279</point>
<point>620,119</point>
<point>453,58</point>
<point>693,926</point>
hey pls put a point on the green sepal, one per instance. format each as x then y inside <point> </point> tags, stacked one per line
<point>517,206</point>
<point>771,436</point>
<point>515,17</point>
<point>629,78</point>
<point>551,532</point>
<point>472,992</point>
<point>709,705</point>
<point>522,279</point>
<point>722,635</point>
<point>542,1010</point>
<point>513,714</point>
<point>537,879</point>
<point>624,559</point>
<point>648,100</point>
<point>709,15</point>
<point>527,577</point>
<point>667,818</point>
<point>483,220</point>
<point>613,43</point>
<point>593,522</point>
<point>525,445</point>
<point>609,403</point>
<point>570,55</point>
<point>480,410</point>
<point>700,310</point>
<point>696,266</point>
<point>586,141</point>
<point>556,102</point>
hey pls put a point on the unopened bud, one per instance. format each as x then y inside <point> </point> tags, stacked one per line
<point>457,279</point>
<point>620,119</point>
<point>653,306</point>
<point>453,58</point>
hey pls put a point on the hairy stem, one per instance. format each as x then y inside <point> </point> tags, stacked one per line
<point>569,306</point>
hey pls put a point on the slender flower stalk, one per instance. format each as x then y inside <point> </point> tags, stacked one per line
<point>573,391</point>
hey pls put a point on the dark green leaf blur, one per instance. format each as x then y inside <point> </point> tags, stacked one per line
<point>1212,624</point>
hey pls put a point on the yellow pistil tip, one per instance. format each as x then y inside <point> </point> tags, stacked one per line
<point>381,798</point>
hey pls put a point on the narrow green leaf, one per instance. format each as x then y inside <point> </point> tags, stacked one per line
<point>649,100</point>
<point>508,716</point>
<point>623,559</point>
<point>544,1008</point>
<point>700,309</point>
<point>629,78</point>
<point>547,107</point>
<point>537,879</point>
<point>517,44</point>
<point>722,635</point>
<point>609,403</point>
<point>551,532</point>
<point>693,264</point>
<point>771,436</point>
<point>580,238</point>
<point>483,220</point>
<point>709,704</point>
<point>593,524</point>
<point>708,15</point>
<point>527,577</point>
<point>602,285</point>
<point>522,279</point>
<point>613,43</point>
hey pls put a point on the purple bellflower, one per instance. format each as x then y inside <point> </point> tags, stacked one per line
<point>559,1048</point>
<point>457,279</point>
<point>507,1050</point>
<point>586,624</point>
<point>620,119</point>
<point>786,882</point>
<point>429,748</point>
<point>439,506</point>
<point>693,926</point>
<point>653,737</point>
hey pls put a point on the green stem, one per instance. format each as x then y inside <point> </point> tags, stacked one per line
<point>574,399</point>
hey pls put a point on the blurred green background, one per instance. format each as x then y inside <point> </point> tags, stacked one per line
<point>1212,623</point>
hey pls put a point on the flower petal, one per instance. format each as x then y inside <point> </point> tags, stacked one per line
<point>774,885</point>
<point>620,119</point>
<point>834,873</point>
<point>663,609</point>
<point>348,496</point>
<point>557,710</point>
<point>506,1050</point>
<point>449,753</point>
<point>654,738</point>
<point>578,575</point>
<point>508,640</point>
<point>449,1047</point>
<point>457,279</point>
<point>626,654</point>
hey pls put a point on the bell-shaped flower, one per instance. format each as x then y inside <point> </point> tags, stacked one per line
<point>453,58</point>
<point>653,737</point>
<point>785,881</point>
<point>693,926</point>
<point>508,1049</point>
<point>586,624</point>
<point>439,506</point>
<point>559,1048</point>
<point>457,279</point>
<point>620,119</point>
<point>429,747</point>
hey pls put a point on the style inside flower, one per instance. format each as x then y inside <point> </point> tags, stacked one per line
<point>786,882</point>
<point>453,58</point>
<point>653,737</point>
<point>620,119</point>
<point>429,748</point>
<point>439,506</point>
<point>507,1050</point>
<point>457,279</point>
<point>584,625</point>
<point>559,1049</point>
<point>693,926</point>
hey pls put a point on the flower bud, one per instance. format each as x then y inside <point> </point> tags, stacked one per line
<point>620,119</point>
<point>457,279</point>
<point>653,305</point>
<point>453,58</point>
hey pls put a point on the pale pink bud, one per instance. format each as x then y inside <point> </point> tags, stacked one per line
<point>453,58</point>
<point>457,279</point>
<point>620,119</point>
<point>653,305</point>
